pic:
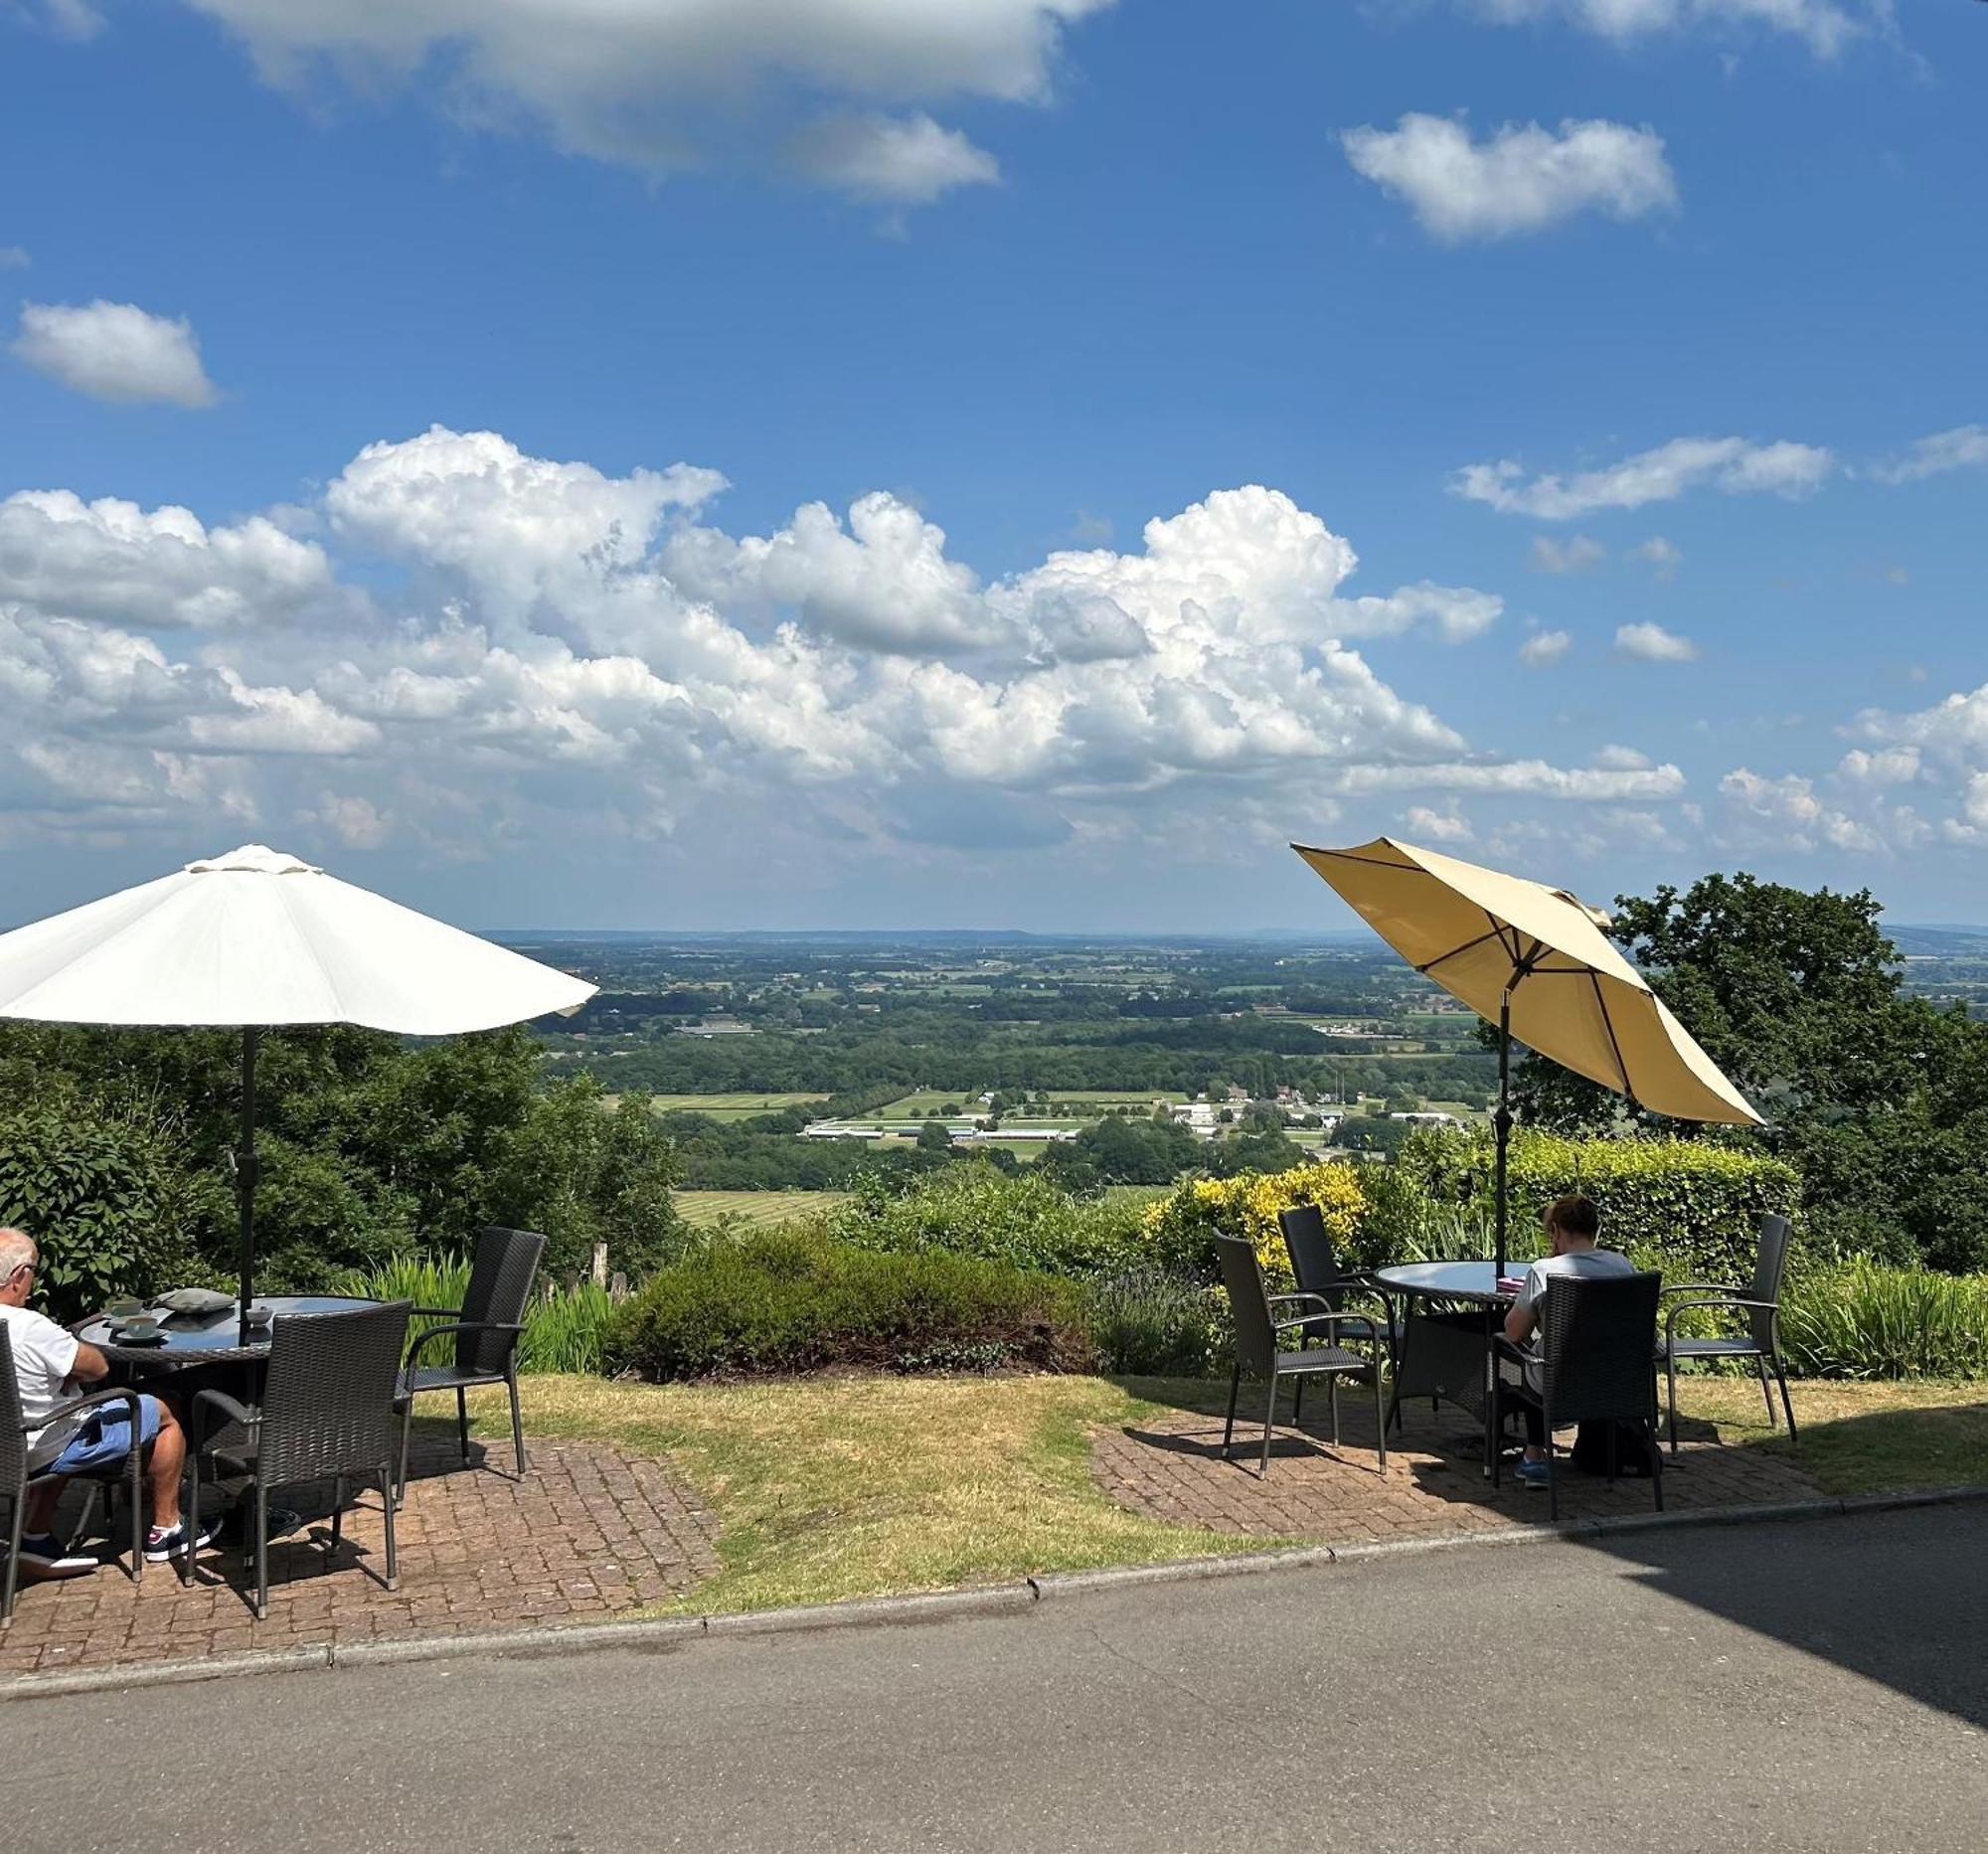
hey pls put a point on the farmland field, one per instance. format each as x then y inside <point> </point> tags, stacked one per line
<point>1068,1105</point>
<point>730,1107</point>
<point>758,1209</point>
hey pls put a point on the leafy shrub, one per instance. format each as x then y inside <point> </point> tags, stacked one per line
<point>1148,1325</point>
<point>1405,1221</point>
<point>1025,1220</point>
<point>1860,1319</point>
<point>784,1300</point>
<point>565,1332</point>
<point>1181,1228</point>
<point>1689,1208</point>
<point>104,1198</point>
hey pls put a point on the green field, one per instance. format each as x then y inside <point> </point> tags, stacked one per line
<point>730,1107</point>
<point>758,1209</point>
<point>1068,1105</point>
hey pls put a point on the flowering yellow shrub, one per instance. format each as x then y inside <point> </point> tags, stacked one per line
<point>1182,1226</point>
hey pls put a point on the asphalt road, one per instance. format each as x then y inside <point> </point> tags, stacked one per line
<point>1810,1687</point>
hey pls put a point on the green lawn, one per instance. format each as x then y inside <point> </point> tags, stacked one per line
<point>758,1209</point>
<point>730,1107</point>
<point>833,1487</point>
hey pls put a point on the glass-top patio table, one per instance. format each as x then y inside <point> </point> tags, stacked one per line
<point>1451,1315</point>
<point>217,1338</point>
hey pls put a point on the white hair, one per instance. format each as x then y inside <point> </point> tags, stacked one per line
<point>16,1246</point>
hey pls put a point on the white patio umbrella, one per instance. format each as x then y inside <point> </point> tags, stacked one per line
<point>258,939</point>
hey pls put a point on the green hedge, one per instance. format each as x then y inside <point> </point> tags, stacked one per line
<point>104,1197</point>
<point>783,1300</point>
<point>1689,1208</point>
<point>972,1208</point>
<point>1860,1319</point>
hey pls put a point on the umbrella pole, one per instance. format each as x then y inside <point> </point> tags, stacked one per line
<point>1501,1122</point>
<point>245,1172</point>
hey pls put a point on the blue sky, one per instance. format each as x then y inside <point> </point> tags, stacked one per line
<point>1633,349</point>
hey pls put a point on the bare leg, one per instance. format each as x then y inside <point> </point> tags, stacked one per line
<point>39,1510</point>
<point>165,1462</point>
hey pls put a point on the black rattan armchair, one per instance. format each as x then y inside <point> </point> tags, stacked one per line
<point>485,1328</point>
<point>1594,1364</point>
<point>16,1475</point>
<point>1760,1300</point>
<point>1258,1323</point>
<point>1318,1272</point>
<point>327,1414</point>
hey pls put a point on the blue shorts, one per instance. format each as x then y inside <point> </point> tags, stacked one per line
<point>106,1437</point>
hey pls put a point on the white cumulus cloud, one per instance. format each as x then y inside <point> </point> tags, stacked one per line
<point>1965,447</point>
<point>662,85</point>
<point>116,350</point>
<point>1543,647</point>
<point>1521,179</point>
<point>910,161</point>
<point>1735,465</point>
<point>1576,555</point>
<point>1651,643</point>
<point>561,653</point>
<point>1823,25</point>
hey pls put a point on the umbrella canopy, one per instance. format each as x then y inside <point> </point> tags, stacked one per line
<point>260,937</point>
<point>256,939</point>
<point>1534,960</point>
<point>1574,997</point>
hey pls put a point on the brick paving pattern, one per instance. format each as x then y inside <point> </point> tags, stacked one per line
<point>590,1530</point>
<point>1170,1467</point>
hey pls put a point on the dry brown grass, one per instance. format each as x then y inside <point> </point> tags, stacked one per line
<point>852,1486</point>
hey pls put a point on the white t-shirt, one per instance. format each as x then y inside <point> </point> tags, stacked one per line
<point>44,1356</point>
<point>1582,1263</point>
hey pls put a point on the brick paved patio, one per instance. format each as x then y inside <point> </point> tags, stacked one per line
<point>591,1530</point>
<point>1170,1468</point>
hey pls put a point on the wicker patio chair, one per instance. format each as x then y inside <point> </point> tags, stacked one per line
<point>1318,1272</point>
<point>1760,1300</point>
<point>1259,1324</point>
<point>16,1476</point>
<point>327,1414</point>
<point>1594,1364</point>
<point>485,1328</point>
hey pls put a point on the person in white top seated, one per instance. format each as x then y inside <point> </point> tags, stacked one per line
<point>53,1367</point>
<point>1571,1226</point>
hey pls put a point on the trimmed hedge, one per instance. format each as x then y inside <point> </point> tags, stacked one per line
<point>1687,1206</point>
<point>1181,1228</point>
<point>1025,1220</point>
<point>787,1300</point>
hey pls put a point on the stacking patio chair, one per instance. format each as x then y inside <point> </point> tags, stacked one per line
<point>327,1414</point>
<point>1260,1324</point>
<point>1598,1338</point>
<point>1760,1300</point>
<point>16,1476</point>
<point>485,1328</point>
<point>1318,1270</point>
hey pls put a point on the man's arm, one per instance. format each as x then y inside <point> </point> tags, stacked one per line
<point>1519,1323</point>
<point>91,1364</point>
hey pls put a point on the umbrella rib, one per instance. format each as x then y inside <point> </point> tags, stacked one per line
<point>1609,1024</point>
<point>1457,951</point>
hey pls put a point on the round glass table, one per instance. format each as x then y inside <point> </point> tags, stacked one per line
<point>1452,1314</point>
<point>207,1338</point>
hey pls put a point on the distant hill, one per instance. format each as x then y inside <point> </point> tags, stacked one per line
<point>1942,941</point>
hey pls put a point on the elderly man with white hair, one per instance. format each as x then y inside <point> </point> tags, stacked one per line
<point>51,1363</point>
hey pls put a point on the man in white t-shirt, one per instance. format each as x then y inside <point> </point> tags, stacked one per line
<point>52,1367</point>
<point>1572,1225</point>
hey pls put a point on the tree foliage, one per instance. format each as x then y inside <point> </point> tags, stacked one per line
<point>1880,1101</point>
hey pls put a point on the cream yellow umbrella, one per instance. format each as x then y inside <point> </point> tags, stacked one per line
<point>1535,962</point>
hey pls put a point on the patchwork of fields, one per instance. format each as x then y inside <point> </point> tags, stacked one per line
<point>755,1210</point>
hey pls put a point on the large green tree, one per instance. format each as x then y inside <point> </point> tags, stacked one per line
<point>1881,1099</point>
